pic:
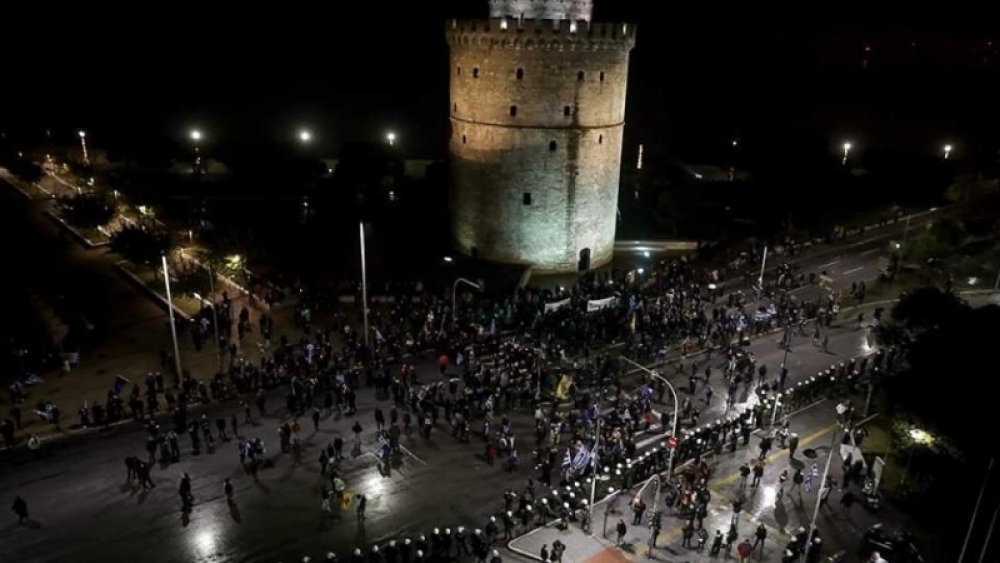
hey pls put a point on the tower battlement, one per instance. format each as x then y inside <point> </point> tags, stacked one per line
<point>542,9</point>
<point>506,33</point>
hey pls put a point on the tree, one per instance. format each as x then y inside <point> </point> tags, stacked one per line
<point>948,347</point>
<point>937,241</point>
<point>971,187</point>
<point>89,211</point>
<point>140,245</point>
<point>191,279</point>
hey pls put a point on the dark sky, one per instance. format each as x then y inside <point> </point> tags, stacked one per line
<point>249,75</point>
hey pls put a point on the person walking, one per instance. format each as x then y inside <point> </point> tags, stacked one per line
<point>357,434</point>
<point>20,508</point>
<point>621,528</point>
<point>847,501</point>
<point>759,536</point>
<point>758,472</point>
<point>362,504</point>
<point>744,550</point>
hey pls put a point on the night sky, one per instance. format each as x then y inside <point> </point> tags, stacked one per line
<point>249,76</point>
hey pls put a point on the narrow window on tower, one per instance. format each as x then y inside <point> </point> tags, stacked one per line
<point>520,74</point>
<point>552,146</point>
<point>567,111</point>
<point>475,73</point>
<point>579,76</point>
<point>458,71</point>
<point>526,198</point>
<point>600,139</point>
<point>513,111</point>
<point>463,139</point>
<point>602,76</point>
<point>454,108</point>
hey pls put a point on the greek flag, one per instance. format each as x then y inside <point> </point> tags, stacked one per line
<point>582,458</point>
<point>567,460</point>
<point>381,446</point>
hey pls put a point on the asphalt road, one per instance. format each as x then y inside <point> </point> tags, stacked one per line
<point>81,505</point>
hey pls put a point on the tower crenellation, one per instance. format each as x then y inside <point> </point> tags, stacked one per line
<point>537,120</point>
<point>566,34</point>
<point>542,9</point>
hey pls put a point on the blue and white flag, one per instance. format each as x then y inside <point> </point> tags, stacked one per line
<point>381,446</point>
<point>567,460</point>
<point>582,458</point>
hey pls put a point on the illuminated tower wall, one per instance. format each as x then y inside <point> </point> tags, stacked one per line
<point>537,115</point>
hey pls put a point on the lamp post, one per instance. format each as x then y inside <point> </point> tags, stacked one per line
<point>305,136</point>
<point>83,145</point>
<point>819,492</point>
<point>215,317</point>
<point>173,324</point>
<point>847,151</point>
<point>947,151</point>
<point>391,138</point>
<point>196,137</point>
<point>975,514</point>
<point>760,281</point>
<point>677,404</point>
<point>454,288</point>
<point>364,281</point>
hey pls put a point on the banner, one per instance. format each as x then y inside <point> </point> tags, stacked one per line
<point>555,306</point>
<point>598,304</point>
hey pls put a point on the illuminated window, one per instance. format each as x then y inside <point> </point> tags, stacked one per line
<point>520,74</point>
<point>475,73</point>
<point>579,76</point>
<point>567,111</point>
<point>513,111</point>
<point>526,198</point>
<point>552,146</point>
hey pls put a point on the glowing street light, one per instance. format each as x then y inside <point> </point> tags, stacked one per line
<point>847,151</point>
<point>195,135</point>
<point>947,151</point>
<point>305,136</point>
<point>83,145</point>
<point>391,137</point>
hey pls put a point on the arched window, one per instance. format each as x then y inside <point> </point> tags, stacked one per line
<point>458,71</point>
<point>463,139</point>
<point>520,74</point>
<point>513,111</point>
<point>602,76</point>
<point>567,111</point>
<point>580,76</point>
<point>475,73</point>
<point>552,146</point>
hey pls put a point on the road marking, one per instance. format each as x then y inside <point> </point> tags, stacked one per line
<point>730,479</point>
<point>870,251</point>
<point>851,271</point>
<point>409,453</point>
<point>828,264</point>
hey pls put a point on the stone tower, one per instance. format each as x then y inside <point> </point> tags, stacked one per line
<point>537,114</point>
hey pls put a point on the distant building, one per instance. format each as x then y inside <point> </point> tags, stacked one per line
<point>537,116</point>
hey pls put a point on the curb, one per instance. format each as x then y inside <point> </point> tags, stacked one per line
<point>80,238</point>
<point>159,299</point>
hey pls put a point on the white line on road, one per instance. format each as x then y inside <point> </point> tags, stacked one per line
<point>851,271</point>
<point>409,453</point>
<point>828,264</point>
<point>869,251</point>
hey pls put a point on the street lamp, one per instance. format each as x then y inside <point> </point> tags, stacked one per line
<point>947,151</point>
<point>196,137</point>
<point>305,136</point>
<point>391,137</point>
<point>83,145</point>
<point>847,151</point>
